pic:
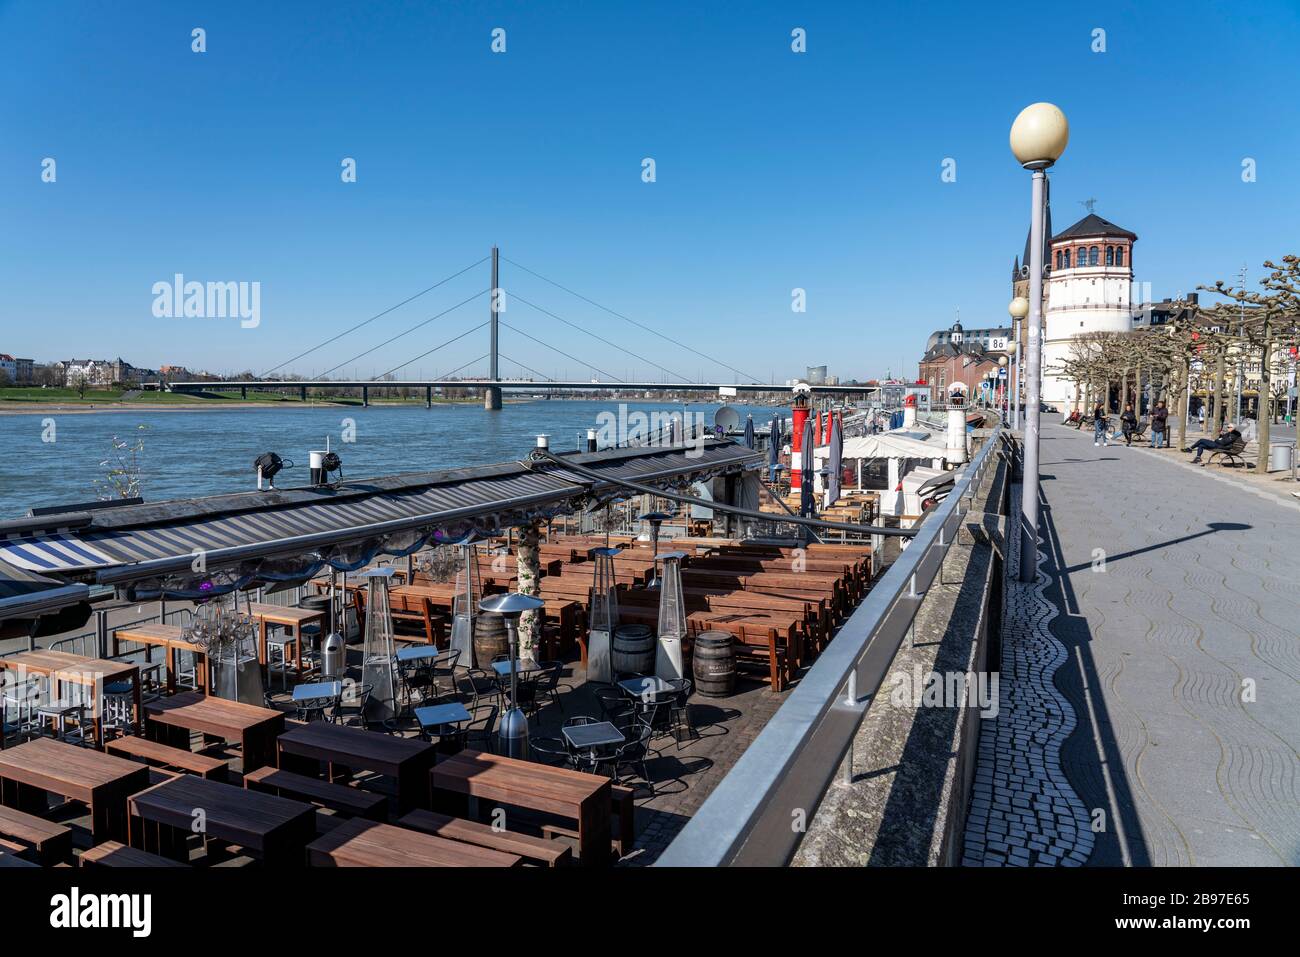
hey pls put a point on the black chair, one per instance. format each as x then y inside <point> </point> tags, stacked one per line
<point>634,753</point>
<point>474,684</point>
<point>616,707</point>
<point>680,711</point>
<point>552,751</point>
<point>443,666</point>
<point>477,733</point>
<point>355,707</point>
<point>548,683</point>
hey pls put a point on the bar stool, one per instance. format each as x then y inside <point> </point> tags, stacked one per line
<point>278,643</point>
<point>20,698</point>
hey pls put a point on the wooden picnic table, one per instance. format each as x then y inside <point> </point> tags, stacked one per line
<point>43,766</point>
<point>291,618</point>
<point>171,719</point>
<point>275,829</point>
<point>406,759</point>
<point>362,843</point>
<point>93,673</point>
<point>564,612</point>
<point>169,638</point>
<point>576,795</point>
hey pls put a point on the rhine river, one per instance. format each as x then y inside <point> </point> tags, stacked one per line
<point>55,458</point>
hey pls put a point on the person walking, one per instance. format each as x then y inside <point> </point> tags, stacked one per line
<point>1099,425</point>
<point>1160,427</point>
<point>1128,424</point>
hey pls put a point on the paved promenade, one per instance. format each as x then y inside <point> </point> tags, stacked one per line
<point>1163,681</point>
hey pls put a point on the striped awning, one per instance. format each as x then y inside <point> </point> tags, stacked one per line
<point>24,594</point>
<point>285,534</point>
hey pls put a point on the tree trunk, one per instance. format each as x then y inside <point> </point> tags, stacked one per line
<point>1218,393</point>
<point>1265,396</point>
<point>529,568</point>
<point>1180,402</point>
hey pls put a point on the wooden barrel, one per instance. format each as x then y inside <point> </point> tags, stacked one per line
<point>632,652</point>
<point>490,638</point>
<point>714,664</point>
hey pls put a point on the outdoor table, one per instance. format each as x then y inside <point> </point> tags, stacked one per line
<point>316,689</point>
<point>363,843</point>
<point>431,716</point>
<point>273,828</point>
<point>167,637</point>
<point>587,736</point>
<point>581,797</point>
<point>64,668</point>
<point>291,618</point>
<point>100,781</point>
<point>406,759</point>
<point>522,666</point>
<point>412,653</point>
<point>644,687</point>
<point>253,727</point>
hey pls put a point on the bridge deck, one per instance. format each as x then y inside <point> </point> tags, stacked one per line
<point>1178,659</point>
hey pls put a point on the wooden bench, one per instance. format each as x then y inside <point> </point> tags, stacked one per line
<point>52,842</point>
<point>530,848</point>
<point>114,854</point>
<point>336,797</point>
<point>623,805</point>
<point>165,756</point>
<point>1234,453</point>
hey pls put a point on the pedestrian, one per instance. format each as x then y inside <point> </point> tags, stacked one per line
<point>1099,425</point>
<point>1160,426</point>
<point>1226,439</point>
<point>1200,417</point>
<point>1128,424</point>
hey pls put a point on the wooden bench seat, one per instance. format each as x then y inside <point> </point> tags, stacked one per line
<point>336,797</point>
<point>114,854</point>
<point>1235,454</point>
<point>165,756</point>
<point>530,848</point>
<point>52,842</point>
<point>624,807</point>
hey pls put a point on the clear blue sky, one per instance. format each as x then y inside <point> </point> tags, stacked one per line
<point>774,170</point>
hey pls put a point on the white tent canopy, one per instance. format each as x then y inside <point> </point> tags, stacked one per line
<point>910,444</point>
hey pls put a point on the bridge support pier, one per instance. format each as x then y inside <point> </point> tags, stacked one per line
<point>428,397</point>
<point>302,393</point>
<point>243,392</point>
<point>365,397</point>
<point>492,398</point>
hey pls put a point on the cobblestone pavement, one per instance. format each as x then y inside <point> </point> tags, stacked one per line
<point>1023,811</point>
<point>1177,605</point>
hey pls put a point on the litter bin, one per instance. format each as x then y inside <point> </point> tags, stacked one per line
<point>333,657</point>
<point>1279,457</point>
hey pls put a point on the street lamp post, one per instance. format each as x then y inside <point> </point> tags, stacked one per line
<point>1001,389</point>
<point>1038,138</point>
<point>1019,308</point>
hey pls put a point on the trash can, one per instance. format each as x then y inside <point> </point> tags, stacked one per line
<point>1279,457</point>
<point>334,656</point>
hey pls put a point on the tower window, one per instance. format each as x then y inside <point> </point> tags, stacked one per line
<point>1110,255</point>
<point>1093,255</point>
<point>1065,258</point>
<point>1119,255</point>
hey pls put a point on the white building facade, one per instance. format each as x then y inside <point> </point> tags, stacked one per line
<point>1088,289</point>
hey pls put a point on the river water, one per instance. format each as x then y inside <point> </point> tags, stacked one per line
<point>55,458</point>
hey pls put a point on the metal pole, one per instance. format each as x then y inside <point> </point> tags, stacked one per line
<point>1015,381</point>
<point>1029,494</point>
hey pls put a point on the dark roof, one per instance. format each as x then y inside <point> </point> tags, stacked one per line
<point>284,534</point>
<point>1094,225</point>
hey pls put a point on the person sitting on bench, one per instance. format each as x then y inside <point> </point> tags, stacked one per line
<point>1226,440</point>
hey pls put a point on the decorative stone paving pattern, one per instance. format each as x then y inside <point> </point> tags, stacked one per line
<point>1023,810</point>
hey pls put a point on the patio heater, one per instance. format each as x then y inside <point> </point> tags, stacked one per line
<point>672,618</point>
<point>604,616</point>
<point>468,590</point>
<point>378,658</point>
<point>655,519</point>
<point>512,738</point>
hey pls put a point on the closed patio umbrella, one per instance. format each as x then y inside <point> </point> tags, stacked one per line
<point>749,432</point>
<point>806,464</point>
<point>835,460</point>
<point>773,448</point>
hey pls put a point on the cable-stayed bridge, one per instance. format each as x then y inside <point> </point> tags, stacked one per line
<point>493,385</point>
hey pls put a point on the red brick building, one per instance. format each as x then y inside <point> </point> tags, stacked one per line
<point>956,361</point>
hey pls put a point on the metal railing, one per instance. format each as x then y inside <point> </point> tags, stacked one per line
<point>754,815</point>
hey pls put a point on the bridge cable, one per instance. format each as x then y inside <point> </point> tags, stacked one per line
<point>376,316</point>
<point>580,362</point>
<point>678,375</point>
<point>437,347</point>
<point>544,376</point>
<point>619,315</point>
<point>467,364</point>
<point>418,325</point>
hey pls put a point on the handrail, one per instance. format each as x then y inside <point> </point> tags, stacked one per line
<point>752,817</point>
